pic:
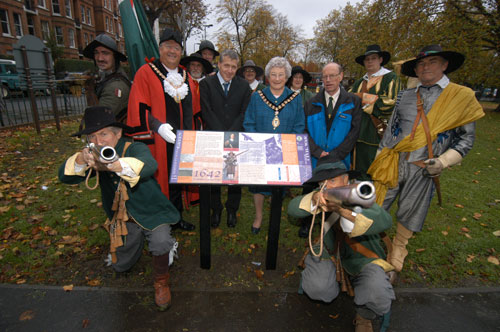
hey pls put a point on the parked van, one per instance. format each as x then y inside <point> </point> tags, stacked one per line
<point>9,78</point>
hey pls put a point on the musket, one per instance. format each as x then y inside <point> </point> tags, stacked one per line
<point>103,154</point>
<point>358,194</point>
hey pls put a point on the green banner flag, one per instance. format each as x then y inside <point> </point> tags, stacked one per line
<point>139,39</point>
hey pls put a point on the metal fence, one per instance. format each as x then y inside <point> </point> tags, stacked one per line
<point>17,108</point>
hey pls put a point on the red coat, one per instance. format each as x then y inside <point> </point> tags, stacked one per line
<point>148,97</point>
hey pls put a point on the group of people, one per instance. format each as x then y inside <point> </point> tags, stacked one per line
<point>401,140</point>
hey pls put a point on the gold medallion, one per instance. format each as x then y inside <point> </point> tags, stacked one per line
<point>276,121</point>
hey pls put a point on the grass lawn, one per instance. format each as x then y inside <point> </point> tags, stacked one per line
<point>51,233</point>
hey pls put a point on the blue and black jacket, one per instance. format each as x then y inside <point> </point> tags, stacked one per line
<point>337,135</point>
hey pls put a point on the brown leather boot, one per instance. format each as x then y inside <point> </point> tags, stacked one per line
<point>163,297</point>
<point>399,252</point>
<point>362,324</point>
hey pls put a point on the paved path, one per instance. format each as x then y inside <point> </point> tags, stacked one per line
<point>46,308</point>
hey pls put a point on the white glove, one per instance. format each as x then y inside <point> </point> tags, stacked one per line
<point>165,131</point>
<point>436,165</point>
<point>433,166</point>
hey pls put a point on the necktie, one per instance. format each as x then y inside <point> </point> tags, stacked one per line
<point>330,107</point>
<point>226,87</point>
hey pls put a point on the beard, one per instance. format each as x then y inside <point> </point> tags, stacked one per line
<point>196,75</point>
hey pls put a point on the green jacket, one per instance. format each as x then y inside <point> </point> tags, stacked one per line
<point>387,90</point>
<point>113,91</point>
<point>146,205</point>
<point>367,226</point>
<point>306,95</point>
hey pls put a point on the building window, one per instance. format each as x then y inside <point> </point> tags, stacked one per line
<point>18,25</point>
<point>89,18</point>
<point>4,19</point>
<point>67,4</point>
<point>119,29</point>
<point>82,11</point>
<point>86,38</point>
<point>71,38</point>
<point>41,3</point>
<point>55,7</point>
<point>59,36</point>
<point>31,25</point>
<point>107,24</point>
<point>45,30</point>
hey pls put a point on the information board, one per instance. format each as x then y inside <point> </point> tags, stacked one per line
<point>216,157</point>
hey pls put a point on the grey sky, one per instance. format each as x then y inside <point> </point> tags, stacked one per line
<point>302,13</point>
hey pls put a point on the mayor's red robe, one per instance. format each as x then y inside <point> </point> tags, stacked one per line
<point>147,97</point>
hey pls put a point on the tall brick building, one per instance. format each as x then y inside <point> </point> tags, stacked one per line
<point>73,23</point>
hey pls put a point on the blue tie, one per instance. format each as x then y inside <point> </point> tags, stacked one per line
<point>226,87</point>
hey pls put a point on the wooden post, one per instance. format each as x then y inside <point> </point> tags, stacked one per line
<point>52,89</point>
<point>29,83</point>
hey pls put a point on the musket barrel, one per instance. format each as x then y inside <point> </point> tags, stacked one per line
<point>106,154</point>
<point>361,194</point>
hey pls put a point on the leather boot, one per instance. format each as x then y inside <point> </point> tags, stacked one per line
<point>399,252</point>
<point>362,324</point>
<point>161,277</point>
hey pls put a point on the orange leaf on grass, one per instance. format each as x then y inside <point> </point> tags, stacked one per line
<point>27,315</point>
<point>493,260</point>
<point>68,288</point>
<point>94,282</point>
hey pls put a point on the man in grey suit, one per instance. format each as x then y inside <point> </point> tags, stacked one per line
<point>224,98</point>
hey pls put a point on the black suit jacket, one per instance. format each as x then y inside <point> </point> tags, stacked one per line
<point>220,112</point>
<point>341,151</point>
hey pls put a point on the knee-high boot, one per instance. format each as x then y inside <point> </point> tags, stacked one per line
<point>161,278</point>
<point>399,252</point>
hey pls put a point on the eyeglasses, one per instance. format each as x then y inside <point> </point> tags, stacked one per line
<point>330,77</point>
<point>280,75</point>
<point>249,70</point>
<point>172,47</point>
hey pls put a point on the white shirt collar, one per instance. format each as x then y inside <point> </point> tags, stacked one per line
<point>175,71</point>
<point>254,84</point>
<point>335,97</point>
<point>382,71</point>
<point>221,80</point>
<point>443,82</point>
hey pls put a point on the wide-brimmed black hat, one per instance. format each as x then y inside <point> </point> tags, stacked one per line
<point>105,41</point>
<point>455,59</point>
<point>171,34</point>
<point>249,63</point>
<point>327,170</point>
<point>207,45</point>
<point>98,117</point>
<point>298,69</point>
<point>197,58</point>
<point>374,49</point>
